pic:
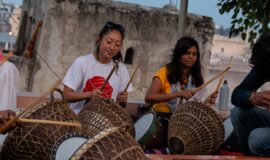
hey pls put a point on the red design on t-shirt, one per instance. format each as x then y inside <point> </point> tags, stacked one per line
<point>96,82</point>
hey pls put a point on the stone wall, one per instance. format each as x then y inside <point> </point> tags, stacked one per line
<point>70,28</point>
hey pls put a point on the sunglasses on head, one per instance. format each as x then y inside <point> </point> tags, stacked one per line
<point>116,26</point>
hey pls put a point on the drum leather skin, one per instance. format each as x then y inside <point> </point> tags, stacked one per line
<point>111,143</point>
<point>149,132</point>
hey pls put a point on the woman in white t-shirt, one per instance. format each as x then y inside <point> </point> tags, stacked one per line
<point>88,73</point>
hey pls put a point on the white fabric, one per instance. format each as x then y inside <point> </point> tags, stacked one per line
<point>86,67</point>
<point>9,85</point>
<point>199,96</point>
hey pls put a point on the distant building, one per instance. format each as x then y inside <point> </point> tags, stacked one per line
<point>4,17</point>
<point>16,14</point>
<point>222,31</point>
<point>223,46</point>
<point>4,10</point>
<point>223,49</point>
<point>7,41</point>
<point>9,26</point>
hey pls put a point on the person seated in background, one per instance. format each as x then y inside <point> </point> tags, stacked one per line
<point>9,84</point>
<point>251,116</point>
<point>173,84</point>
<point>88,73</point>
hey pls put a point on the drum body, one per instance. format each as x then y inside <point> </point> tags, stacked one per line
<point>149,132</point>
<point>100,114</point>
<point>195,129</point>
<point>35,141</point>
<point>113,143</point>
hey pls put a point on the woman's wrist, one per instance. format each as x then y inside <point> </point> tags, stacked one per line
<point>179,94</point>
<point>207,102</point>
<point>251,98</point>
<point>87,95</point>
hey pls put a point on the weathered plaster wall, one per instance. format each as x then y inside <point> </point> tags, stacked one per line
<point>70,28</point>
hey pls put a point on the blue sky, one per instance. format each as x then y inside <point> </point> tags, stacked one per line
<point>17,2</point>
<point>202,7</point>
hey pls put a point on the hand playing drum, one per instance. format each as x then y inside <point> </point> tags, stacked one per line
<point>210,100</point>
<point>122,99</point>
<point>5,116</point>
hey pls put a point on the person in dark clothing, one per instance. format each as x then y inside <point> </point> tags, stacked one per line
<point>251,116</point>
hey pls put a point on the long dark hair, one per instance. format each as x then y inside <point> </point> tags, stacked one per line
<point>260,57</point>
<point>175,68</point>
<point>108,27</point>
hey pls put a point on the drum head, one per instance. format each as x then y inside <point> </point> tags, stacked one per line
<point>67,145</point>
<point>113,143</point>
<point>143,124</point>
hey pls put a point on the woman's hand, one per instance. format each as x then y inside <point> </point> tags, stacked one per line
<point>72,96</point>
<point>261,99</point>
<point>210,100</point>
<point>95,94</point>
<point>122,98</point>
<point>187,94</point>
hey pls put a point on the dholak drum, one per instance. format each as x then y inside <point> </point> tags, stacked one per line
<point>112,143</point>
<point>100,114</point>
<point>195,129</point>
<point>149,132</point>
<point>35,141</point>
<point>66,146</point>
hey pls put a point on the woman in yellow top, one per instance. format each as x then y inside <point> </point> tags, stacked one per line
<point>174,83</point>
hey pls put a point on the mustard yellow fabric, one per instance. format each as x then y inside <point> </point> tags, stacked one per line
<point>166,87</point>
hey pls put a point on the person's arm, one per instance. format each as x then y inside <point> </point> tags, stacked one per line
<point>122,95</point>
<point>261,99</point>
<point>241,95</point>
<point>71,96</point>
<point>73,80</point>
<point>5,116</point>
<point>154,94</point>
